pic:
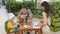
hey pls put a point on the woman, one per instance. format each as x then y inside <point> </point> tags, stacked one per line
<point>46,17</point>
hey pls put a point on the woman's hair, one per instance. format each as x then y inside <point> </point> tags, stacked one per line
<point>47,7</point>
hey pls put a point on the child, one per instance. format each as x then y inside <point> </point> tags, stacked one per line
<point>11,26</point>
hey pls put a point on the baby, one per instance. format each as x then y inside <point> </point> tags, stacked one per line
<point>12,25</point>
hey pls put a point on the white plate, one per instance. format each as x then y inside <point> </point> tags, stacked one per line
<point>36,27</point>
<point>26,26</point>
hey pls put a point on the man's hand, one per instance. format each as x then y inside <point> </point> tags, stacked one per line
<point>30,17</point>
<point>20,17</point>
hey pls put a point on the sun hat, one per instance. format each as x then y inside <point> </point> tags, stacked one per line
<point>10,16</point>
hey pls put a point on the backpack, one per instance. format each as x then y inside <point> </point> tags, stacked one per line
<point>9,27</point>
<point>55,22</point>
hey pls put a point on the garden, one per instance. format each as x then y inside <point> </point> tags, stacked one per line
<point>15,7</point>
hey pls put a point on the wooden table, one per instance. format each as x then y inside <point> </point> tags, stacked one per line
<point>39,30</point>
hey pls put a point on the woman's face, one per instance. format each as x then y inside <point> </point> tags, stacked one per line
<point>42,7</point>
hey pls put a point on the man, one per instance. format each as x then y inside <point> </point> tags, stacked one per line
<point>25,12</point>
<point>25,15</point>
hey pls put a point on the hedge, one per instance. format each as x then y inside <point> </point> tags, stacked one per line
<point>16,6</point>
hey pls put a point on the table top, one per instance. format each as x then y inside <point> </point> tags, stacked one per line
<point>28,28</point>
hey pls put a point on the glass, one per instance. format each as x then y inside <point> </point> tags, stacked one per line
<point>24,19</point>
<point>35,23</point>
<point>29,22</point>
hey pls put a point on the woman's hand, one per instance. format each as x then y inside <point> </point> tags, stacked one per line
<point>41,23</point>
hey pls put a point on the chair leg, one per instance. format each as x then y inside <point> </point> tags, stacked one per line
<point>17,33</point>
<point>35,32</point>
<point>28,32</point>
<point>8,33</point>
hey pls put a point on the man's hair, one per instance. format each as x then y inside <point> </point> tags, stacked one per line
<point>24,6</point>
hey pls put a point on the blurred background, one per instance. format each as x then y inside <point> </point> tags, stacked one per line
<point>14,6</point>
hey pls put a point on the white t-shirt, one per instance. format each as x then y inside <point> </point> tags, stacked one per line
<point>48,19</point>
<point>46,28</point>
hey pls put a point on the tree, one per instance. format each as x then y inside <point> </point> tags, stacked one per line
<point>32,0</point>
<point>23,0</point>
<point>36,3</point>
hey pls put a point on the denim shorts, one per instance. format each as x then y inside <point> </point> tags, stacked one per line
<point>15,29</point>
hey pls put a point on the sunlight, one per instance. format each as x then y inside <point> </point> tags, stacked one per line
<point>19,0</point>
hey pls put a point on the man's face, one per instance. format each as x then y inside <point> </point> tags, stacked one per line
<point>24,10</point>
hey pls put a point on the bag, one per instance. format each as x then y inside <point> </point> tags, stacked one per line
<point>9,27</point>
<point>55,22</point>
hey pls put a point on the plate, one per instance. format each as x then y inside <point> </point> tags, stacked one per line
<point>26,26</point>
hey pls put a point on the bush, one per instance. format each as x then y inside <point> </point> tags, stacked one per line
<point>55,5</point>
<point>55,19</point>
<point>15,7</point>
